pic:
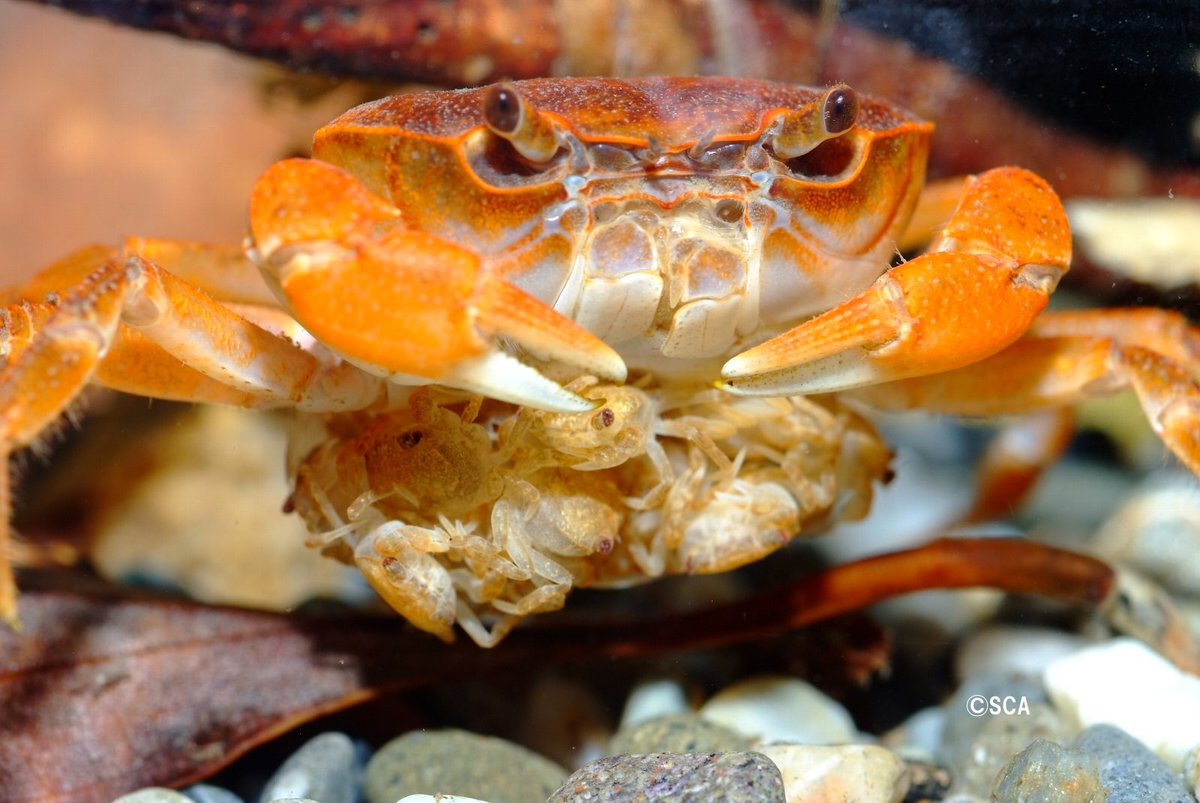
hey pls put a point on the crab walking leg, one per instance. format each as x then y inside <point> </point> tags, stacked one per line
<point>222,271</point>
<point>338,255</point>
<point>51,355</point>
<point>1042,372</point>
<point>989,273</point>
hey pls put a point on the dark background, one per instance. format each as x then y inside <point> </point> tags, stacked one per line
<point>1123,71</point>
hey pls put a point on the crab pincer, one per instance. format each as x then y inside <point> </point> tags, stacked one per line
<point>985,279</point>
<point>405,304</point>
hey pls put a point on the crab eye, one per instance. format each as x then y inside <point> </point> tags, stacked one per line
<point>508,114</point>
<point>840,109</point>
<point>798,131</point>
<point>502,110</point>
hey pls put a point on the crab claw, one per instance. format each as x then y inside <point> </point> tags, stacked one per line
<point>405,304</point>
<point>987,276</point>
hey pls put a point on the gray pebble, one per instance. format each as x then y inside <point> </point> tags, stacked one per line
<point>459,763</point>
<point>678,733</point>
<point>978,747</point>
<point>1047,772</point>
<point>324,769</point>
<point>717,777</point>
<point>204,793</point>
<point>1129,771</point>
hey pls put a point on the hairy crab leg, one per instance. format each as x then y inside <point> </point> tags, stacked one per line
<point>1003,251</point>
<point>338,254</point>
<point>222,271</point>
<point>52,351</point>
<point>1069,357</point>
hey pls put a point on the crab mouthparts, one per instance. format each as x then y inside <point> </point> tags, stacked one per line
<point>675,280</point>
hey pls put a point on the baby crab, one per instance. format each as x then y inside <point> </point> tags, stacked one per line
<point>525,249</point>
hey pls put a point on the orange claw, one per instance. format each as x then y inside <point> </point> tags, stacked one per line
<point>407,304</point>
<point>988,275</point>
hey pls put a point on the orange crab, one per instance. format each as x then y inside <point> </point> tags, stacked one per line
<point>562,332</point>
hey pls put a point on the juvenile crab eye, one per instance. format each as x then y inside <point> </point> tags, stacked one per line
<point>729,211</point>
<point>840,109</point>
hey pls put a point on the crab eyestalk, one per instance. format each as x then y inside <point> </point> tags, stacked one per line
<point>800,130</point>
<point>509,115</point>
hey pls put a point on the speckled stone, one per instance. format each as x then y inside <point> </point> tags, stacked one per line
<point>862,773</point>
<point>153,794</point>
<point>679,733</point>
<point>323,769</point>
<point>682,777</point>
<point>1047,772</point>
<point>1129,771</point>
<point>456,762</point>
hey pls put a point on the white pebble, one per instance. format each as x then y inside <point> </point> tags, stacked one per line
<point>1016,651</point>
<point>153,794</point>
<point>652,699</point>
<point>781,709</point>
<point>817,773</point>
<point>439,799</point>
<point>1124,683</point>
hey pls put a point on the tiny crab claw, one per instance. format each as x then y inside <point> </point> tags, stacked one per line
<point>405,304</point>
<point>799,131</point>
<point>985,279</point>
<point>508,114</point>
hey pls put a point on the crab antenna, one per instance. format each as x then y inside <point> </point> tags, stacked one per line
<point>509,115</point>
<point>800,130</point>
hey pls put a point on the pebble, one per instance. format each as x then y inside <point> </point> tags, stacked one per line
<point>718,777</point>
<point>927,781</point>
<point>204,793</point>
<point>1191,771</point>
<point>828,773</point>
<point>1157,532</point>
<point>1015,651</point>
<point>781,709</point>
<point>1122,682</point>
<point>439,799</point>
<point>679,733</point>
<point>324,769</point>
<point>215,552</point>
<point>1047,772</point>
<point>919,737</point>
<point>977,744</point>
<point>652,699</point>
<point>459,763</point>
<point>1129,771</point>
<point>153,794</point>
